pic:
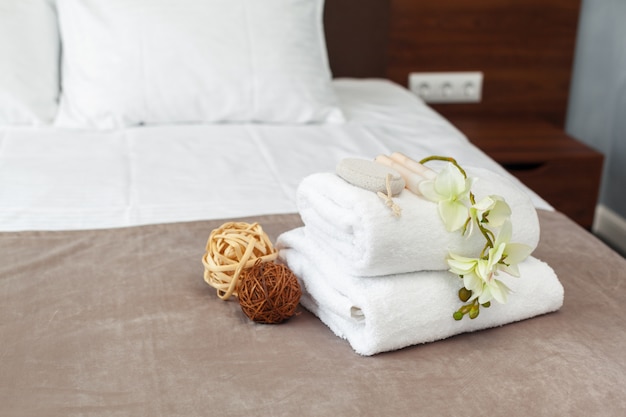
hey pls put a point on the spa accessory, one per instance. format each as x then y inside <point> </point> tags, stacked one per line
<point>489,217</point>
<point>386,182</point>
<point>413,166</point>
<point>230,249</point>
<point>370,175</point>
<point>413,175</point>
<point>268,292</point>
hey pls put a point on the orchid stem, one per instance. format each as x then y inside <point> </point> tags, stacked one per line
<point>445,159</point>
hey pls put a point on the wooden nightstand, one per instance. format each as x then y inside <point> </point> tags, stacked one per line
<point>562,170</point>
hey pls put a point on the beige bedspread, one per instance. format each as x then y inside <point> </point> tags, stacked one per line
<point>120,322</point>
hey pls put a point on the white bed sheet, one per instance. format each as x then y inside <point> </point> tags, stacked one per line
<point>61,179</point>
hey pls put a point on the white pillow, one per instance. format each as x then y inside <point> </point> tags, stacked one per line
<point>130,62</point>
<point>29,62</point>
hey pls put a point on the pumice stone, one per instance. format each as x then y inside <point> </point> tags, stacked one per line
<point>370,175</point>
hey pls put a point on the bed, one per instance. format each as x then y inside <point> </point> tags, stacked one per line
<point>108,197</point>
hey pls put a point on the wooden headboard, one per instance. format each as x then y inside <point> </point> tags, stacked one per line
<point>525,48</point>
<point>356,37</point>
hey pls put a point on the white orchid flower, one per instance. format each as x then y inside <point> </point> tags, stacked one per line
<point>466,268</point>
<point>479,275</point>
<point>461,265</point>
<point>487,270</point>
<point>513,253</point>
<point>494,210</point>
<point>450,189</point>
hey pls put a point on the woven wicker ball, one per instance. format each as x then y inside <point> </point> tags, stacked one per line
<point>231,249</point>
<point>269,293</point>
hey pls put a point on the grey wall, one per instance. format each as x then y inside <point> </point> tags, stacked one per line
<point>597,106</point>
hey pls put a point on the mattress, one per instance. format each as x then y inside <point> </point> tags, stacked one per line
<point>65,179</point>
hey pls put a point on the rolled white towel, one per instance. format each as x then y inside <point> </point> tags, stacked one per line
<point>356,229</point>
<point>378,314</point>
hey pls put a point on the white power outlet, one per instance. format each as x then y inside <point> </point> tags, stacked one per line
<point>447,87</point>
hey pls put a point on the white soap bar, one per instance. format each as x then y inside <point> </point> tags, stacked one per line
<point>370,175</point>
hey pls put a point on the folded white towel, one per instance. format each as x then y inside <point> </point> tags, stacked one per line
<point>358,231</point>
<point>378,314</point>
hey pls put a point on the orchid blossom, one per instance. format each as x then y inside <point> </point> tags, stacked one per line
<point>492,210</point>
<point>451,190</point>
<point>479,276</point>
<point>512,253</point>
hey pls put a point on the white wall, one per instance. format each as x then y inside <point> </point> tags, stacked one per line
<point>597,106</point>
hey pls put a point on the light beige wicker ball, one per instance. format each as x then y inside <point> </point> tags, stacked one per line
<point>232,248</point>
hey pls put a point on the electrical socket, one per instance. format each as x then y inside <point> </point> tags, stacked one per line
<point>447,87</point>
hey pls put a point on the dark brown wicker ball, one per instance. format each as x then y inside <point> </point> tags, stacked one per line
<point>268,292</point>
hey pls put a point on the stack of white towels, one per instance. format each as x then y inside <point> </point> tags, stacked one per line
<point>381,281</point>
